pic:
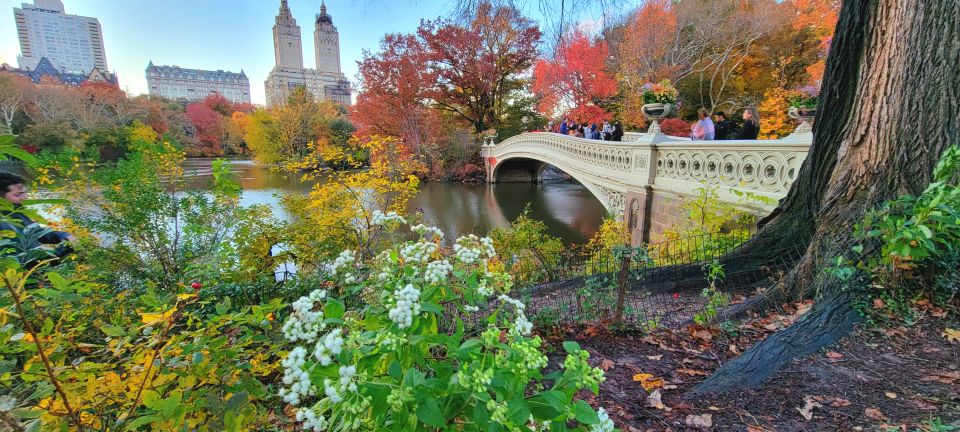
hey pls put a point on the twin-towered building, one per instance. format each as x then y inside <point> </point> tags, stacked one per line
<point>327,81</point>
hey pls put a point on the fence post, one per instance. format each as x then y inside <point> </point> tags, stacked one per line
<point>623,281</point>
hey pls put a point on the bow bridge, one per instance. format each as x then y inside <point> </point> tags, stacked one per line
<point>645,177</point>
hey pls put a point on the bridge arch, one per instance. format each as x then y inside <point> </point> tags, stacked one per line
<point>522,166</point>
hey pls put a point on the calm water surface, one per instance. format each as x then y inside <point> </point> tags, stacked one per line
<point>569,210</point>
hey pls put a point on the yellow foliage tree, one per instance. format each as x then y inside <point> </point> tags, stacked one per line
<point>773,113</point>
<point>337,213</point>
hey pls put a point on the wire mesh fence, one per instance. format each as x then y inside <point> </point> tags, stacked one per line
<point>651,286</point>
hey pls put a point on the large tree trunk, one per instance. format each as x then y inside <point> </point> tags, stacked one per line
<point>888,109</point>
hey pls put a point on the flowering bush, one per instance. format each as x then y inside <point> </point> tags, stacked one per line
<point>661,92</point>
<point>675,127</point>
<point>396,350</point>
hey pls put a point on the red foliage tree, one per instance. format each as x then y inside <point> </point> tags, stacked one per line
<point>478,66</point>
<point>208,124</point>
<point>394,86</point>
<point>219,103</point>
<point>575,81</point>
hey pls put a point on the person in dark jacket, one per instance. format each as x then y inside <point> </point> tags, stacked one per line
<point>15,192</point>
<point>564,129</point>
<point>617,134</point>
<point>724,127</point>
<point>751,124</point>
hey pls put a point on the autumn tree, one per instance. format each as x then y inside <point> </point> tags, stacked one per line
<point>884,119</point>
<point>575,81</point>
<point>393,97</point>
<point>96,104</point>
<point>13,95</point>
<point>208,125</point>
<point>478,66</point>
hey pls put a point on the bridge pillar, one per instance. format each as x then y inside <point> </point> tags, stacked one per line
<point>637,215</point>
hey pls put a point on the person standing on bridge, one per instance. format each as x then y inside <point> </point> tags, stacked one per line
<point>563,127</point>
<point>617,134</point>
<point>724,127</point>
<point>607,130</point>
<point>703,129</point>
<point>751,124</point>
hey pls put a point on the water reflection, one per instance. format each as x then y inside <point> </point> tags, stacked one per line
<point>569,210</point>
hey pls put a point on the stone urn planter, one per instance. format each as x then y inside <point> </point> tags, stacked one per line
<point>806,117</point>
<point>654,112</point>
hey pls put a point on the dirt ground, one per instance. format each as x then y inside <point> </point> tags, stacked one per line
<point>898,379</point>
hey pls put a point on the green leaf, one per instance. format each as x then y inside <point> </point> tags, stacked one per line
<point>112,330</point>
<point>395,370</point>
<point>236,401</point>
<point>334,308</point>
<point>547,405</point>
<point>141,421</point>
<point>584,413</point>
<point>571,346</point>
<point>518,411</point>
<point>429,412</point>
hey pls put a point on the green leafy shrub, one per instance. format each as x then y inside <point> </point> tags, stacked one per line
<point>392,352</point>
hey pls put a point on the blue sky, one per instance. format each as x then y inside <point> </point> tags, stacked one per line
<point>225,34</point>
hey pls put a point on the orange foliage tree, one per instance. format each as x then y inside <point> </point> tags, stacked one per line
<point>575,81</point>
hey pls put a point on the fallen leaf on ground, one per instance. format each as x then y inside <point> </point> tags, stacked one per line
<point>692,372</point>
<point>606,364</point>
<point>733,349</point>
<point>654,400</point>
<point>878,304</point>
<point>656,357</point>
<point>923,405</point>
<point>840,402</point>
<point>952,335</point>
<point>648,381</point>
<point>943,377</point>
<point>833,355</point>
<point>875,414</point>
<point>809,403</point>
<point>702,421</point>
<point>891,395</point>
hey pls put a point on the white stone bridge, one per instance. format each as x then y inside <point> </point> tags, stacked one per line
<point>644,177</point>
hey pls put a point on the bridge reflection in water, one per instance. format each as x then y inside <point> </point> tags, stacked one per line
<point>644,178</point>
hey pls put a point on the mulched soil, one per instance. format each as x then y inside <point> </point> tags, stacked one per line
<point>877,378</point>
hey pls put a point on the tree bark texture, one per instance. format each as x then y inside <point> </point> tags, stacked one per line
<point>889,106</point>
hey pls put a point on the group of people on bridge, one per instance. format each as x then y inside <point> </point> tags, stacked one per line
<point>720,128</point>
<point>706,128</point>
<point>607,131</point>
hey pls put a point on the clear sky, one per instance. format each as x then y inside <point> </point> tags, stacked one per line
<point>225,34</point>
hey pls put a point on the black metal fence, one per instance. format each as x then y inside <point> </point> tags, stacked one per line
<point>655,285</point>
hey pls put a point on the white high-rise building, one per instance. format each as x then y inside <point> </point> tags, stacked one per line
<point>327,81</point>
<point>72,43</point>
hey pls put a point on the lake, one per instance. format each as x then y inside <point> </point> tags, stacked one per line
<point>568,209</point>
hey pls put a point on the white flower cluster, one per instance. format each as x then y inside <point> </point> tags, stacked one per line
<point>334,391</point>
<point>521,325</point>
<point>381,218</point>
<point>296,377</point>
<point>437,271</point>
<point>605,425</point>
<point>345,260</point>
<point>311,420</point>
<point>406,307</point>
<point>470,248</point>
<point>471,308</point>
<point>329,346</point>
<point>305,323</point>
<point>418,252</point>
<point>427,232</point>
<point>484,290</point>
